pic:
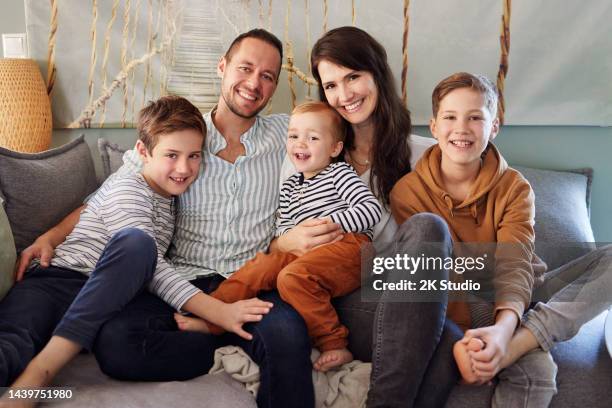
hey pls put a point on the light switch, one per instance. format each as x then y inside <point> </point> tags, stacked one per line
<point>14,45</point>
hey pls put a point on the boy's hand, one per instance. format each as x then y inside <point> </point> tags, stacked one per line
<point>233,315</point>
<point>41,249</point>
<point>487,362</point>
<point>308,235</point>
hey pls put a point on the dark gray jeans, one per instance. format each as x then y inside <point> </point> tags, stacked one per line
<point>409,343</point>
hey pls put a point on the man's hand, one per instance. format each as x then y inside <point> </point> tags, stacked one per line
<point>41,249</point>
<point>233,315</point>
<point>308,235</point>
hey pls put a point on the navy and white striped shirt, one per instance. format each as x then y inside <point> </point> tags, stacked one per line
<point>126,201</point>
<point>337,192</point>
<point>227,215</point>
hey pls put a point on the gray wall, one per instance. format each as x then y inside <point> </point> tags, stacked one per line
<point>553,147</point>
<point>12,19</point>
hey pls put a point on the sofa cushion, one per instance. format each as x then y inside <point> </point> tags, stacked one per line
<point>111,155</point>
<point>40,189</point>
<point>8,255</point>
<point>562,225</point>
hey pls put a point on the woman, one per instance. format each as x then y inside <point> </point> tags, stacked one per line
<point>354,77</point>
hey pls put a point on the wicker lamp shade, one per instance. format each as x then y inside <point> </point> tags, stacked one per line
<point>25,111</point>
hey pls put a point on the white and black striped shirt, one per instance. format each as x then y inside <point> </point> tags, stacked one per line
<point>126,201</point>
<point>337,192</point>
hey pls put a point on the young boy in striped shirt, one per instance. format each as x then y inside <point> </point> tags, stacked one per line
<point>322,188</point>
<point>129,217</point>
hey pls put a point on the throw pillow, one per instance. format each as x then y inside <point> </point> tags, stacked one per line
<point>8,256</point>
<point>40,189</point>
<point>562,225</point>
<point>111,155</point>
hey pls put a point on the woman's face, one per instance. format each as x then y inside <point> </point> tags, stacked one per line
<point>352,93</point>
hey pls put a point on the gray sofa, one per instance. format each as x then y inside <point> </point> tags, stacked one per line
<point>562,202</point>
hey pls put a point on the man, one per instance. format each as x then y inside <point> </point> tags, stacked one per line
<point>225,217</point>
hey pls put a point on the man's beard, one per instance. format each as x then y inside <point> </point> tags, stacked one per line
<point>237,112</point>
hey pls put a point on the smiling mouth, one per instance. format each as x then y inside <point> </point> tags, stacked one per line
<point>179,180</point>
<point>247,96</point>
<point>353,106</point>
<point>461,143</point>
<point>301,156</point>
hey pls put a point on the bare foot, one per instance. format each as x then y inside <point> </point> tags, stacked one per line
<point>193,324</point>
<point>34,376</point>
<point>332,358</point>
<point>460,351</point>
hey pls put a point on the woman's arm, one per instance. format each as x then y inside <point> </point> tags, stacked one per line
<point>307,235</point>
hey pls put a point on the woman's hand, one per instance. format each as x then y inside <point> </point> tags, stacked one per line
<point>232,316</point>
<point>308,235</point>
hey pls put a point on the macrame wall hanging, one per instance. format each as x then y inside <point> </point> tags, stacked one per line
<point>185,38</point>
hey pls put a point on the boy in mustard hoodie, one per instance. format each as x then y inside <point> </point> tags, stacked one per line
<point>465,180</point>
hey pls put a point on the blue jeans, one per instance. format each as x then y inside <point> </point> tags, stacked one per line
<point>143,343</point>
<point>33,308</point>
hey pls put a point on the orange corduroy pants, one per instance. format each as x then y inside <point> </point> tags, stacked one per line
<point>308,283</point>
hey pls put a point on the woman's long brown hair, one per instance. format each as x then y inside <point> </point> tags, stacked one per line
<point>355,49</point>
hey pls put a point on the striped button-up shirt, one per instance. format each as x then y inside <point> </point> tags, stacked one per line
<point>227,215</point>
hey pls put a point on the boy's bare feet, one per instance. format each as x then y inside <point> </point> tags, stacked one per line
<point>332,358</point>
<point>194,324</point>
<point>461,351</point>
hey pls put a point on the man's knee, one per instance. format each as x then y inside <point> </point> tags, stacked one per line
<point>283,330</point>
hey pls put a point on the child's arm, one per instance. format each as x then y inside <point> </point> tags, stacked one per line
<point>127,207</point>
<point>364,212</point>
<point>301,238</point>
<point>229,316</point>
<point>283,221</point>
<point>44,245</point>
<point>514,276</point>
<point>513,279</point>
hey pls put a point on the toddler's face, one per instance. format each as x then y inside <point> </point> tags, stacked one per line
<point>311,144</point>
<point>463,126</point>
<point>174,162</point>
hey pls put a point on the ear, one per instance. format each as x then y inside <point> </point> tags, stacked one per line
<point>142,151</point>
<point>432,127</point>
<point>494,129</point>
<point>337,149</point>
<point>221,66</point>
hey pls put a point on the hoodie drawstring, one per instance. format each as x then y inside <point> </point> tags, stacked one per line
<point>473,208</point>
<point>449,203</point>
<point>474,211</point>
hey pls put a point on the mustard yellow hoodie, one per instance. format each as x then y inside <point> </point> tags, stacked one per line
<point>499,208</point>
